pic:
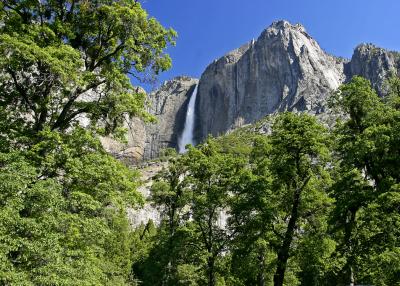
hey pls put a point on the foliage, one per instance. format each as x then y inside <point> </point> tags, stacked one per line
<point>65,69</point>
<point>367,171</point>
<point>193,194</point>
<point>64,230</point>
<point>304,205</point>
<point>62,61</point>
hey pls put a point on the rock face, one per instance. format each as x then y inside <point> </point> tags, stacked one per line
<point>375,64</point>
<point>146,140</point>
<point>284,69</point>
<point>148,211</point>
<point>169,105</point>
<point>132,151</point>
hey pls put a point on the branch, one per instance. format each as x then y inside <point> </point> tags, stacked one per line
<point>305,182</point>
<point>108,56</point>
<point>136,77</point>
<point>67,107</point>
<point>73,115</point>
<point>44,108</point>
<point>20,89</point>
<point>21,14</point>
<point>195,245</point>
<point>203,234</point>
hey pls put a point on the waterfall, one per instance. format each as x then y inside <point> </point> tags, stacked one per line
<point>187,134</point>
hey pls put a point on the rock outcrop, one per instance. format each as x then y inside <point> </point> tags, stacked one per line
<point>284,69</point>
<point>143,214</point>
<point>375,64</point>
<point>146,140</point>
<point>132,151</point>
<point>169,105</point>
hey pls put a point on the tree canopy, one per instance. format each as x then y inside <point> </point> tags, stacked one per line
<point>64,62</point>
<point>301,205</point>
<point>65,79</point>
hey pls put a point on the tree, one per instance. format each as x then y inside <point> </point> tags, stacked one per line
<point>194,194</point>
<point>65,69</point>
<point>170,194</point>
<point>212,175</point>
<point>367,147</point>
<point>170,191</point>
<point>69,229</point>
<point>62,61</point>
<point>298,161</point>
<point>251,210</point>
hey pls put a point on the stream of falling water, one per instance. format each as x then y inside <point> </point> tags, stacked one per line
<point>187,134</point>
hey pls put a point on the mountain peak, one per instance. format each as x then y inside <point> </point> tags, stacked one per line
<point>369,48</point>
<point>286,25</point>
<point>283,69</point>
<point>284,30</point>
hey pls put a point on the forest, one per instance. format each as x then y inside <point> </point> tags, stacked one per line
<point>304,203</point>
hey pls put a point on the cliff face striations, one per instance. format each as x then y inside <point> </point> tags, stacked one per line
<point>169,105</point>
<point>375,64</point>
<point>284,69</point>
<point>146,140</point>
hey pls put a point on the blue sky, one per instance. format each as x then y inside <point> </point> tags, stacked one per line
<point>208,29</point>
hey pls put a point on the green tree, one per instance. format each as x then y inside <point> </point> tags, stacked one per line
<point>65,69</point>
<point>170,191</point>
<point>212,176</point>
<point>298,165</point>
<point>367,148</point>
<point>194,194</point>
<point>68,229</point>
<point>64,60</point>
<point>252,210</point>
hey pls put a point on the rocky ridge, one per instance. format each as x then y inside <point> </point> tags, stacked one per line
<point>375,64</point>
<point>284,69</point>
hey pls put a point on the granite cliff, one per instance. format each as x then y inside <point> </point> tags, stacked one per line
<point>146,140</point>
<point>375,64</point>
<point>284,69</point>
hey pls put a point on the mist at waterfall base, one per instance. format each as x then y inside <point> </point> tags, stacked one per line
<point>187,134</point>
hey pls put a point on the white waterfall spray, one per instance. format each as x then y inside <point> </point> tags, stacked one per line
<point>187,134</point>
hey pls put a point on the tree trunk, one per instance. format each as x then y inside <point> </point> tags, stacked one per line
<point>261,268</point>
<point>211,271</point>
<point>283,254</point>
<point>349,245</point>
<point>351,276</point>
